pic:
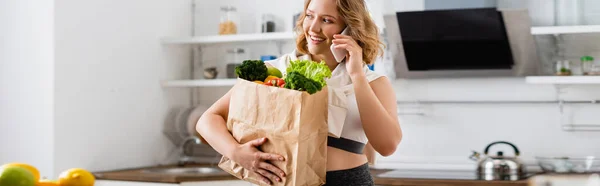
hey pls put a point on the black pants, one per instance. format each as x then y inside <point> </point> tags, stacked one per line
<point>358,176</point>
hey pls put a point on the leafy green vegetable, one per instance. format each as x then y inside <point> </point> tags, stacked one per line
<point>306,75</point>
<point>296,81</point>
<point>311,70</point>
<point>252,70</point>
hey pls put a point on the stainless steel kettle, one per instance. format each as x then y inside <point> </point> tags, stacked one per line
<point>499,167</point>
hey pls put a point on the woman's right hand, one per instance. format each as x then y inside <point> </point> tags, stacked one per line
<point>249,157</point>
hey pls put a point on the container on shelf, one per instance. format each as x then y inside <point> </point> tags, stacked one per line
<point>229,21</point>
<point>587,62</point>
<point>595,71</point>
<point>235,57</point>
<point>267,23</point>
<point>563,68</point>
<point>210,73</point>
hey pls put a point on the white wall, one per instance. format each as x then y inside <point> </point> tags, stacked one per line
<point>26,79</point>
<point>446,134</point>
<point>458,4</point>
<point>543,12</point>
<point>109,62</point>
<point>393,6</point>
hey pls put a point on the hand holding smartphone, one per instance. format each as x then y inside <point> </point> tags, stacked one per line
<point>339,54</point>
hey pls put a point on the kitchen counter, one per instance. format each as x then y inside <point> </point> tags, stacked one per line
<point>139,174</point>
<point>435,178</point>
<point>446,182</point>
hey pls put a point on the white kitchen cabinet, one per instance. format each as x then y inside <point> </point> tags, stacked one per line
<point>130,183</point>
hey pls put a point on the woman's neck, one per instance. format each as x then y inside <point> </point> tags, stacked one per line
<point>328,58</point>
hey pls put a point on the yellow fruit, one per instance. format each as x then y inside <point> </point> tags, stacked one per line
<point>30,168</point>
<point>259,82</point>
<point>76,177</point>
<point>272,71</point>
<point>45,182</point>
<point>16,176</point>
<point>269,78</point>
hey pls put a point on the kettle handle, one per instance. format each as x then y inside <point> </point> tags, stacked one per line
<point>504,142</point>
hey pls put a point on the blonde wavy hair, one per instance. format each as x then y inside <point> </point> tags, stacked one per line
<point>362,28</point>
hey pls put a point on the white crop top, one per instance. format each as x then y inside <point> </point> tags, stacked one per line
<point>344,118</point>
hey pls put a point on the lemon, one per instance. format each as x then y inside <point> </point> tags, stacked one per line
<point>16,176</point>
<point>76,177</point>
<point>30,168</point>
<point>272,71</point>
<point>45,182</point>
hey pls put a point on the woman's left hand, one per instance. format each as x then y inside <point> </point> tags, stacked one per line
<point>354,58</point>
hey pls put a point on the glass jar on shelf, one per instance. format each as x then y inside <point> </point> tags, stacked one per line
<point>229,21</point>
<point>234,57</point>
<point>563,68</point>
<point>268,23</point>
<point>587,62</point>
<point>595,71</point>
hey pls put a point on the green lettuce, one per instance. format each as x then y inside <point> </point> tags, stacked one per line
<point>312,70</point>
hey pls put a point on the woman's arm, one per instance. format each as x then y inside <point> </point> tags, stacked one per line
<point>212,127</point>
<point>376,100</point>
<point>377,107</point>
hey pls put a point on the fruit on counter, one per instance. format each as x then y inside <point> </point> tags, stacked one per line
<point>76,177</point>
<point>16,176</point>
<point>272,71</point>
<point>259,82</point>
<point>252,70</point>
<point>46,182</point>
<point>23,174</point>
<point>30,168</point>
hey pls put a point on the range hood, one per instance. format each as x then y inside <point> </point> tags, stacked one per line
<point>483,42</point>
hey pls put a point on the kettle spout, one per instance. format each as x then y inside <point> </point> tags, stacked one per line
<point>476,156</point>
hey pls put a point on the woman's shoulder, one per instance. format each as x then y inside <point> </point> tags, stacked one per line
<point>370,74</point>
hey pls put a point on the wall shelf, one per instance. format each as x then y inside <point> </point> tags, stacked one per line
<point>553,30</point>
<point>276,36</point>
<point>563,79</point>
<point>199,83</point>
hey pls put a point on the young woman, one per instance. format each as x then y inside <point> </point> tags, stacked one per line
<point>371,116</point>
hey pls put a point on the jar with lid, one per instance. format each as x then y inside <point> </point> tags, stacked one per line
<point>236,55</point>
<point>587,62</point>
<point>234,58</point>
<point>268,23</point>
<point>563,68</point>
<point>229,21</point>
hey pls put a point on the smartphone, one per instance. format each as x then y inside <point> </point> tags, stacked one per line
<point>339,54</point>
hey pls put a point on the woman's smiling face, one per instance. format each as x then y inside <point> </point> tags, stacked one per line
<point>321,23</point>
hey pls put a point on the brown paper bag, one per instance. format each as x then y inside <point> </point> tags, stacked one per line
<point>295,124</point>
